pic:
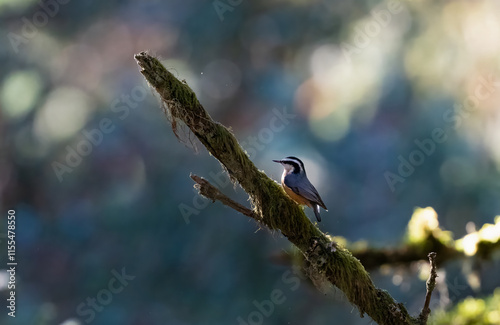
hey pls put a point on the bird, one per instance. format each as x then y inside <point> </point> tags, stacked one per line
<point>296,184</point>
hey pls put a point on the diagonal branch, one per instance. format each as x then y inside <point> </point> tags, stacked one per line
<point>271,206</point>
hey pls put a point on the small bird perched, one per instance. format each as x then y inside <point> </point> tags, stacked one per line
<point>297,186</point>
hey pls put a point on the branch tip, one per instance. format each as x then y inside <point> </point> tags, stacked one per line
<point>430,285</point>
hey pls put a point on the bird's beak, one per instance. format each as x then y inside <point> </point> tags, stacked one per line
<point>278,161</point>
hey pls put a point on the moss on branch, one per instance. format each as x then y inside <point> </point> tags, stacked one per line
<point>270,205</point>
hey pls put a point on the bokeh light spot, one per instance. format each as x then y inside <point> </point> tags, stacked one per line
<point>331,128</point>
<point>64,113</point>
<point>19,93</point>
<point>15,5</point>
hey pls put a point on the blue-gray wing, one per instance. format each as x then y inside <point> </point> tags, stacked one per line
<point>300,185</point>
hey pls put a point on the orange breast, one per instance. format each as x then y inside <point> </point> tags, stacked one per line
<point>297,198</point>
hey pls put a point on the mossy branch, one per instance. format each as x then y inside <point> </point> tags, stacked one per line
<point>271,206</point>
<point>425,235</point>
<point>405,254</point>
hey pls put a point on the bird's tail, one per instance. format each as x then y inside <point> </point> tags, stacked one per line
<point>316,212</point>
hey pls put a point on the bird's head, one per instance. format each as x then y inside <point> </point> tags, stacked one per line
<point>292,165</point>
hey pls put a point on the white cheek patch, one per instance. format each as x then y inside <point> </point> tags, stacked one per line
<point>288,168</point>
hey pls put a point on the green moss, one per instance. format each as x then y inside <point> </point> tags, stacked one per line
<point>177,90</point>
<point>348,274</point>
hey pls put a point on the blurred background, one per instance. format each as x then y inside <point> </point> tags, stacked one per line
<point>391,105</point>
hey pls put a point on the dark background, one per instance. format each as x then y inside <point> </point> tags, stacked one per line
<point>363,80</point>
